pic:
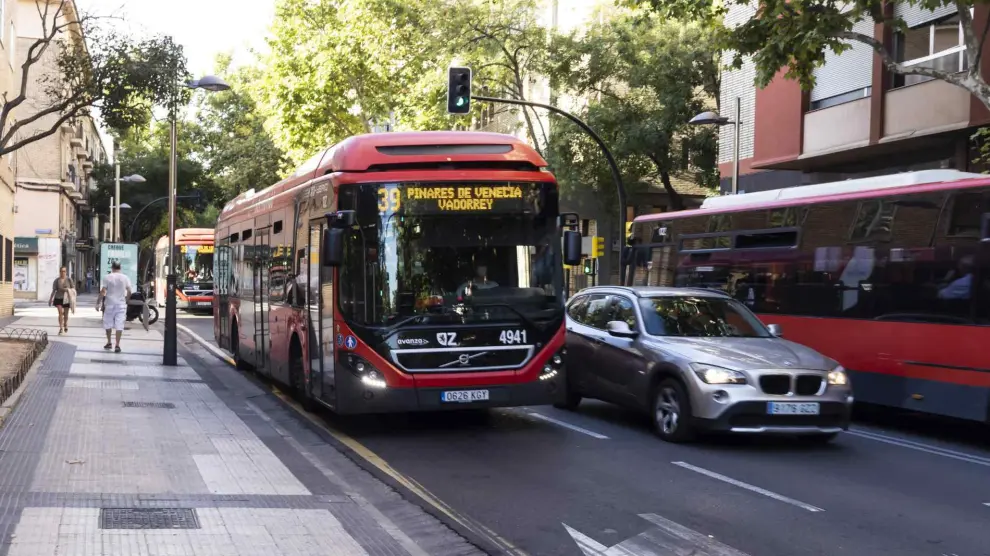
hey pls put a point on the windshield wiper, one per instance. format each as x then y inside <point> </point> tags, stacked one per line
<point>522,315</point>
<point>388,331</point>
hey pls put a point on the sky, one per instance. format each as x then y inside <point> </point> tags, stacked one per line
<point>204,28</point>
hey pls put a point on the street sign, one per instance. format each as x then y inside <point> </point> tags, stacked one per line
<point>126,254</point>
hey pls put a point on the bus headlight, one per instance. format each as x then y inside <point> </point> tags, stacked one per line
<point>553,366</point>
<point>838,377</point>
<point>366,372</point>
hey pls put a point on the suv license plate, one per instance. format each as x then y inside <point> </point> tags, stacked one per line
<point>464,396</point>
<point>792,408</point>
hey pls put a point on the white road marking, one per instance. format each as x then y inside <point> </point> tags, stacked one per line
<point>567,425</point>
<point>927,448</point>
<point>666,538</point>
<point>987,504</point>
<point>747,486</point>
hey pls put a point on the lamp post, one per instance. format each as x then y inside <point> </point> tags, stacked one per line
<point>115,218</point>
<point>712,118</point>
<point>170,353</point>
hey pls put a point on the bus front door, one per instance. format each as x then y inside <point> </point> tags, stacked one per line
<point>262,263</point>
<point>222,279</point>
<point>321,336</point>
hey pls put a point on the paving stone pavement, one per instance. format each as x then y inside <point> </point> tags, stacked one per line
<point>116,454</point>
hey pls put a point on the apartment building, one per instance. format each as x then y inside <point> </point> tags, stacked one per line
<point>54,223</point>
<point>7,188</point>
<point>859,120</point>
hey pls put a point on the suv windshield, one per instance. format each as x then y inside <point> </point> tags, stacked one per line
<point>700,316</point>
<point>440,267</point>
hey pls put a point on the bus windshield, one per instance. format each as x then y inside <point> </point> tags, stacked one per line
<point>195,264</point>
<point>443,268</point>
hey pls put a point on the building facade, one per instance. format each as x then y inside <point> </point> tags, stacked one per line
<point>7,188</point>
<point>859,120</point>
<point>53,219</point>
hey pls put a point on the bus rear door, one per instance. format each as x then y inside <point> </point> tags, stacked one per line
<point>262,264</point>
<point>222,279</point>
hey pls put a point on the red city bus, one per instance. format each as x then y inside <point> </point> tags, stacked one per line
<point>890,276</point>
<point>194,286</point>
<point>401,272</point>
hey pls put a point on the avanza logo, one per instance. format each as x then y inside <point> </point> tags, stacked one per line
<point>413,342</point>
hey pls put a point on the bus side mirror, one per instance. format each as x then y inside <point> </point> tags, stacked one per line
<point>332,247</point>
<point>572,248</point>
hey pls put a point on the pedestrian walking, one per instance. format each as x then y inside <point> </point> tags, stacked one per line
<point>62,298</point>
<point>114,293</point>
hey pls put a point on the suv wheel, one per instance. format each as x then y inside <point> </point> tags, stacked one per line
<point>672,412</point>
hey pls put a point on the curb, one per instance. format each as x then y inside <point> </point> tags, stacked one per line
<point>217,352</point>
<point>11,402</point>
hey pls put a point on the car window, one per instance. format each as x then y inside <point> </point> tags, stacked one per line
<point>598,311</point>
<point>624,310</point>
<point>700,316</point>
<point>577,308</point>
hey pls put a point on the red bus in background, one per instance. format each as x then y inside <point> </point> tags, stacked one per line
<point>401,272</point>
<point>890,276</point>
<point>194,268</point>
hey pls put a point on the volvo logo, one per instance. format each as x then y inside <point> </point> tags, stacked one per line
<point>464,359</point>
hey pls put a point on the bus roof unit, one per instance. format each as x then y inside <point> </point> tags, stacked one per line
<point>837,188</point>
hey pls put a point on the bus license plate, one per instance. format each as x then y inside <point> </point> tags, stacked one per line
<point>792,408</point>
<point>464,396</point>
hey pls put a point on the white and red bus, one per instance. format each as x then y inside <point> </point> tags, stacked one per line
<point>888,275</point>
<point>194,268</point>
<point>401,272</point>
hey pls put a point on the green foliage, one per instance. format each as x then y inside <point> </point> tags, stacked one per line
<point>796,34</point>
<point>647,77</point>
<point>231,139</point>
<point>120,76</point>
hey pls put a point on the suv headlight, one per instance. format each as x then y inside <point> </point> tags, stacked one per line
<point>838,377</point>
<point>710,374</point>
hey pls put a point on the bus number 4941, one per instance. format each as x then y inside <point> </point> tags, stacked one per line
<point>512,337</point>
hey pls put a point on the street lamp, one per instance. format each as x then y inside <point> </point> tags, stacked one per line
<point>170,353</point>
<point>712,118</point>
<point>115,217</point>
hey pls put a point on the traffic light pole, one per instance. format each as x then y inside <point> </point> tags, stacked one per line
<point>616,177</point>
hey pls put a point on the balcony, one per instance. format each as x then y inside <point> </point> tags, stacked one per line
<point>924,108</point>
<point>839,127</point>
<point>76,141</point>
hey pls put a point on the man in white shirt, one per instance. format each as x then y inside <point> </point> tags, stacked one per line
<point>114,294</point>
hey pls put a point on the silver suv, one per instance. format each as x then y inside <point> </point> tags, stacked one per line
<point>699,360</point>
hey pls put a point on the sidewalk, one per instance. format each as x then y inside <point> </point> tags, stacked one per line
<point>115,454</point>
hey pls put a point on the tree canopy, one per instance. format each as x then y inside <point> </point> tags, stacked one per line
<point>87,63</point>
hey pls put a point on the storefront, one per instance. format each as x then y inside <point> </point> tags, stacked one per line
<point>25,268</point>
<point>36,264</point>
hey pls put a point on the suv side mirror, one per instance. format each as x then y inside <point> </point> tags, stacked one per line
<point>332,247</point>
<point>620,329</point>
<point>572,248</point>
<point>776,330</point>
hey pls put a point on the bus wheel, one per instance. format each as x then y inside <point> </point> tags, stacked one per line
<point>297,376</point>
<point>235,346</point>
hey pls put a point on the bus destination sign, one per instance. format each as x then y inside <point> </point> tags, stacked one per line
<point>456,199</point>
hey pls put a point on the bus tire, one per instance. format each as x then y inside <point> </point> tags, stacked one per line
<point>297,376</point>
<point>235,347</point>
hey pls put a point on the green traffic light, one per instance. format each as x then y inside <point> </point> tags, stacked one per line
<point>461,101</point>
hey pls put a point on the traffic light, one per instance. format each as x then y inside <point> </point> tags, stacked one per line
<point>597,247</point>
<point>458,90</point>
<point>589,267</point>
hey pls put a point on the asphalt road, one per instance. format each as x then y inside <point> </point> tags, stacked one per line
<point>532,474</point>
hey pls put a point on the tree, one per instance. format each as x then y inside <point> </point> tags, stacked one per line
<point>646,78</point>
<point>81,62</point>
<point>231,140</point>
<point>796,34</point>
<point>337,68</point>
<point>145,151</point>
